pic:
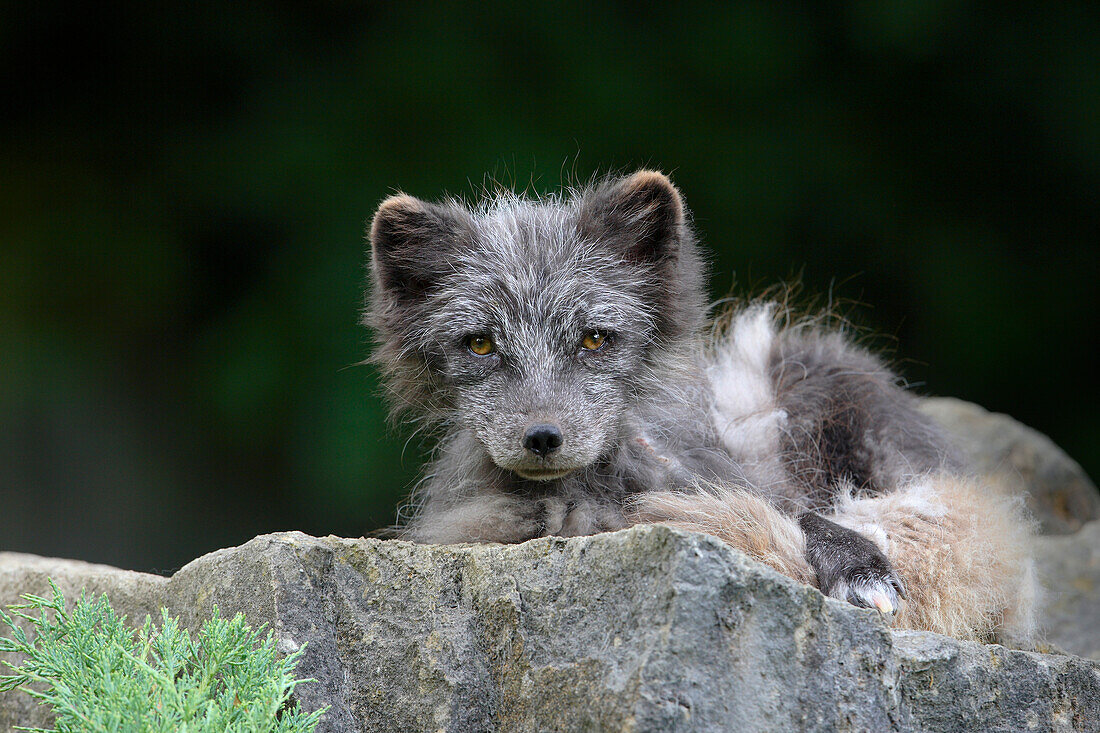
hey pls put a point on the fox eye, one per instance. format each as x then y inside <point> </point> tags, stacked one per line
<point>480,344</point>
<point>593,340</point>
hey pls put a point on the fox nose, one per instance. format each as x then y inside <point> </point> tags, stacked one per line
<point>542,440</point>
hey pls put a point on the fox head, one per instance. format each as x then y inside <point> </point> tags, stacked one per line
<point>535,324</point>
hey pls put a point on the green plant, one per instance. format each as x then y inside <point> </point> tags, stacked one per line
<point>98,674</point>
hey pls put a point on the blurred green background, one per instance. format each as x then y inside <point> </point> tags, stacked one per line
<point>184,187</point>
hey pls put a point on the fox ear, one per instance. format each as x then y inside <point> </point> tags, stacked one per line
<point>411,241</point>
<point>643,213</point>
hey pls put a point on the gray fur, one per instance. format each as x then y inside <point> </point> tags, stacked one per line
<point>620,257</point>
<point>848,420</point>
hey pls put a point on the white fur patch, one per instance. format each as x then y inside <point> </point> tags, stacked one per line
<point>875,533</point>
<point>868,514</point>
<point>919,498</point>
<point>923,499</point>
<point>744,411</point>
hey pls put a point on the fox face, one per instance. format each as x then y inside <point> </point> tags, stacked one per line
<point>533,324</point>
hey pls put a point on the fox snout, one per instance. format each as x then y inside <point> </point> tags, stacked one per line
<point>542,439</point>
<point>542,447</point>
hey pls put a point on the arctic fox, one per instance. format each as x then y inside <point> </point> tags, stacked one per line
<point>561,350</point>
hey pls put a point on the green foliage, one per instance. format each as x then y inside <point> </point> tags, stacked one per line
<point>100,675</point>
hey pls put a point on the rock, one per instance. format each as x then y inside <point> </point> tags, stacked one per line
<point>1070,568</point>
<point>645,629</point>
<point>1060,495</point>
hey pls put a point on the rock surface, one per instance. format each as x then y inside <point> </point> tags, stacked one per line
<point>645,629</point>
<point>1060,495</point>
<point>1070,567</point>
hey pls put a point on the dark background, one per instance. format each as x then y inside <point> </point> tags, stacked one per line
<point>183,191</point>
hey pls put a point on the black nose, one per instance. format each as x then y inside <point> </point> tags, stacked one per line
<point>542,440</point>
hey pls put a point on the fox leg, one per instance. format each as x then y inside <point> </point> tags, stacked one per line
<point>839,561</point>
<point>961,550</point>
<point>943,553</point>
<point>740,518</point>
<point>849,566</point>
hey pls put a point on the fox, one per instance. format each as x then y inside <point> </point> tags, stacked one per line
<point>561,351</point>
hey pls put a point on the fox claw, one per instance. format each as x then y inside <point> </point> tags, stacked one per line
<point>879,594</point>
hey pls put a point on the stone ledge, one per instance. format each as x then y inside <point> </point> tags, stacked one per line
<point>645,629</point>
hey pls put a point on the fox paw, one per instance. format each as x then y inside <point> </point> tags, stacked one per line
<point>850,567</point>
<point>869,587</point>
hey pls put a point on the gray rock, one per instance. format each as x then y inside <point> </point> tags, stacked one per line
<point>1070,567</point>
<point>645,629</point>
<point>1060,495</point>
